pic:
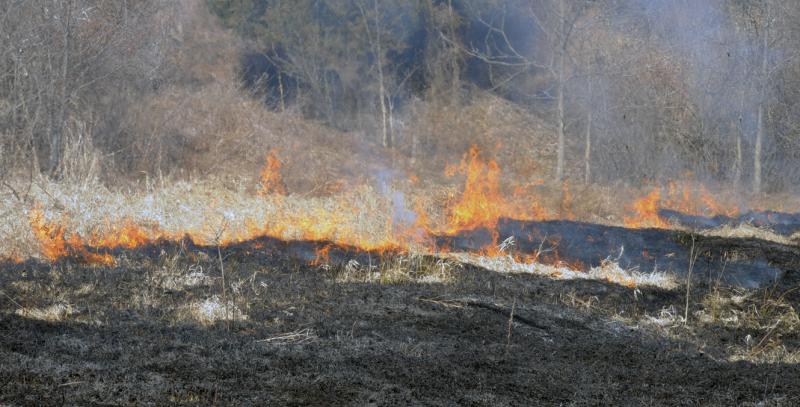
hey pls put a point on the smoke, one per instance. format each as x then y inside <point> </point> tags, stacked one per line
<point>660,89</point>
<point>403,218</point>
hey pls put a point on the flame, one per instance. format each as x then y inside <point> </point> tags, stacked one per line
<point>322,255</point>
<point>366,223</point>
<point>338,221</point>
<point>127,236</point>
<point>646,212</point>
<point>50,236</point>
<point>271,180</point>
<point>693,198</point>
<point>54,245</point>
<point>688,197</point>
<point>481,203</point>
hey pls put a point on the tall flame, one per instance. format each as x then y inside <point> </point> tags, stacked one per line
<point>481,203</point>
<point>271,180</point>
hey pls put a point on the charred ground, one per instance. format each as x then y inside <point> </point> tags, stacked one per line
<point>379,330</point>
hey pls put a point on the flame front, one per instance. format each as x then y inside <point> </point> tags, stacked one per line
<point>54,245</point>
<point>685,197</point>
<point>360,218</point>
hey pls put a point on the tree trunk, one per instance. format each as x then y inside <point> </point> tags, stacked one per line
<point>282,93</point>
<point>757,151</point>
<point>560,99</point>
<point>587,150</point>
<point>377,48</point>
<point>560,123</point>
<point>737,172</point>
<point>762,93</point>
<point>57,134</point>
<point>587,153</point>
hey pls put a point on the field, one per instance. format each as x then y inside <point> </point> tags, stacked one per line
<point>422,202</point>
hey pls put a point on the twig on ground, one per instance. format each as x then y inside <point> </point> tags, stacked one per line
<point>301,336</point>
<point>444,303</point>
<point>10,299</point>
<point>217,240</point>
<point>487,306</point>
<point>510,324</point>
<point>692,259</point>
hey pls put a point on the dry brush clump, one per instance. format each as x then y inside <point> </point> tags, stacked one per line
<point>766,321</point>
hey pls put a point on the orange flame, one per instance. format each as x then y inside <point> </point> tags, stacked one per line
<point>51,237</point>
<point>54,245</point>
<point>646,212</point>
<point>128,236</point>
<point>696,199</point>
<point>481,203</point>
<point>271,180</point>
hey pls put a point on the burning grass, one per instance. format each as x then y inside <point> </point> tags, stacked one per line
<point>94,224</point>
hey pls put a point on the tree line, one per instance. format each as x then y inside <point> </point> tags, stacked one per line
<point>632,90</point>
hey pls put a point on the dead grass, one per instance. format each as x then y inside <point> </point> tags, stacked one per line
<point>608,271</point>
<point>767,318</point>
<point>749,231</point>
<point>411,268</point>
<point>760,326</point>
<point>52,313</point>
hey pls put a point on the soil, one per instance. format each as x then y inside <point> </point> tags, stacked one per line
<point>319,335</point>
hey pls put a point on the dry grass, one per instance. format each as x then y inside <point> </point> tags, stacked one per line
<point>760,326</point>
<point>52,313</point>
<point>232,211</point>
<point>608,271</point>
<point>411,268</point>
<point>749,231</point>
<point>768,319</point>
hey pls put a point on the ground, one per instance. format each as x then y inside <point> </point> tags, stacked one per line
<point>155,329</point>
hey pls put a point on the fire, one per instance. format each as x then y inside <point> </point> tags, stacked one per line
<point>691,198</point>
<point>355,218</point>
<point>54,245</point>
<point>271,180</point>
<point>51,237</point>
<point>128,236</point>
<point>339,220</point>
<point>481,203</point>
<point>698,200</point>
<point>646,212</point>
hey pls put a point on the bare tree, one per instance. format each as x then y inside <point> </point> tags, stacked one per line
<point>68,61</point>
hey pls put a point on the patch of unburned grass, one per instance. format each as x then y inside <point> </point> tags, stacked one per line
<point>52,313</point>
<point>748,231</point>
<point>608,271</point>
<point>412,268</point>
<point>766,318</point>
